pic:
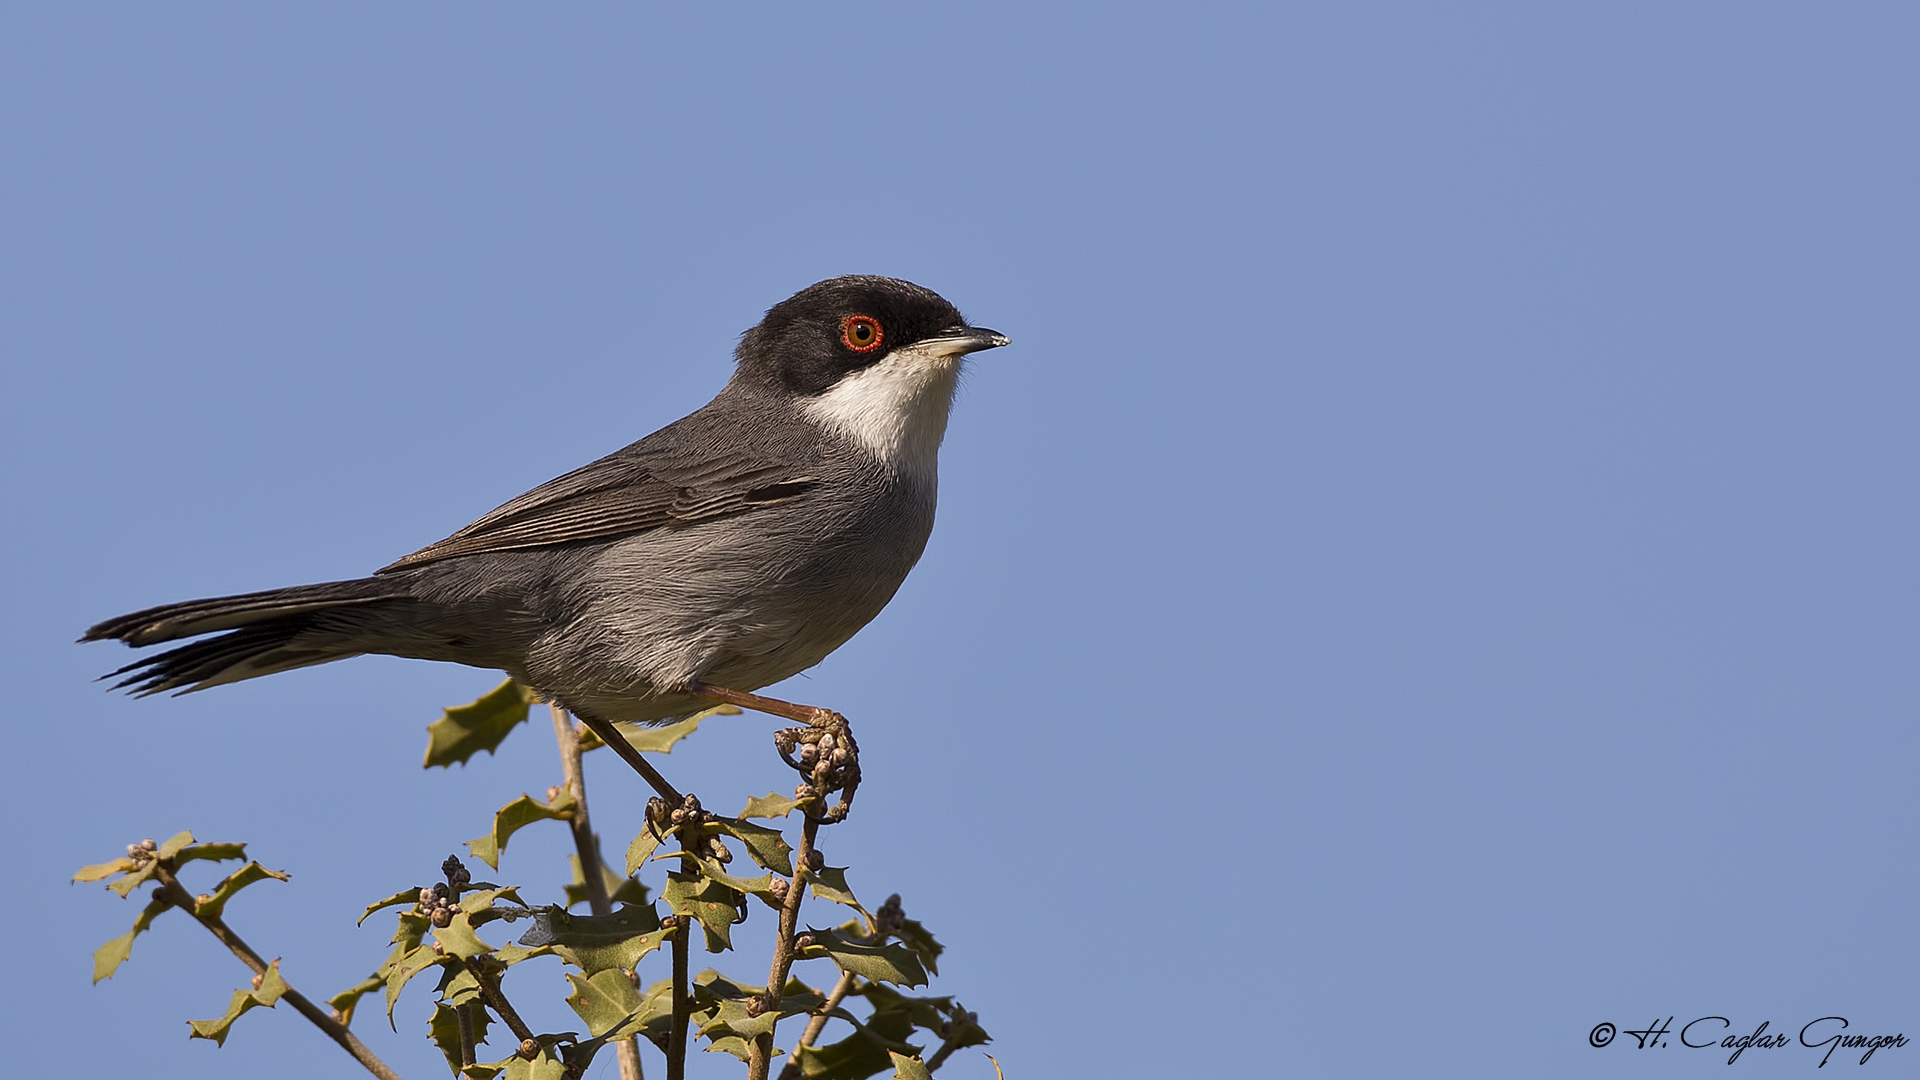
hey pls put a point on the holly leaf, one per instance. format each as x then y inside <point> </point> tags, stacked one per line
<point>210,852</point>
<point>465,730</point>
<point>906,1068</point>
<point>547,1065</point>
<point>404,896</point>
<point>515,816</point>
<point>108,958</point>
<point>244,1001</point>
<point>479,900</point>
<point>609,1004</point>
<point>859,1055</point>
<point>444,1030</point>
<point>714,904</point>
<point>216,901</point>
<point>174,845</point>
<point>764,846</point>
<point>771,805</point>
<point>620,890</point>
<point>915,937</point>
<point>458,938</point>
<point>642,849</point>
<point>830,883</point>
<point>597,943</point>
<point>402,970</point>
<point>510,954</point>
<point>881,963</point>
<point>347,1000</point>
<point>100,871</point>
<point>759,886</point>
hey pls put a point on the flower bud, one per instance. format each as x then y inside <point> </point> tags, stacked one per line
<point>815,860</point>
<point>529,1049</point>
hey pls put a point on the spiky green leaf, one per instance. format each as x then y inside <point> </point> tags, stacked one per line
<point>596,943</point>
<point>620,890</point>
<point>758,886</point>
<point>348,1000</point>
<point>458,938</point>
<point>764,846</point>
<point>244,1001</point>
<point>211,853</point>
<point>881,963</point>
<point>830,883</point>
<point>100,871</point>
<point>861,1054</point>
<point>402,970</point>
<point>404,896</point>
<point>108,958</point>
<point>465,730</point>
<point>771,805</point>
<point>216,901</point>
<point>714,904</point>
<point>515,816</point>
<point>608,1003</point>
<point>915,937</point>
<point>906,1068</point>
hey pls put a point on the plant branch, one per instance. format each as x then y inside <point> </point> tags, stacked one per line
<point>817,1024</point>
<point>178,896</point>
<point>761,1062</point>
<point>587,846</point>
<point>682,1002</point>
<point>497,1001</point>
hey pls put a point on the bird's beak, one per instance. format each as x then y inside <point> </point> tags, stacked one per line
<point>959,340</point>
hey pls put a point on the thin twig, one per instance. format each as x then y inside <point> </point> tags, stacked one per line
<point>497,1001</point>
<point>682,1002</point>
<point>581,823</point>
<point>464,1014</point>
<point>817,1024</point>
<point>947,1047</point>
<point>761,1062</point>
<point>588,848</point>
<point>177,894</point>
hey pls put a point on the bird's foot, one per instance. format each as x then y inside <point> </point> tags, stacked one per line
<point>827,758</point>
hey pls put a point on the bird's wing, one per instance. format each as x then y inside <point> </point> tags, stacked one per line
<point>634,490</point>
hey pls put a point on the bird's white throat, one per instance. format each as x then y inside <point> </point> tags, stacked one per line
<point>897,408</point>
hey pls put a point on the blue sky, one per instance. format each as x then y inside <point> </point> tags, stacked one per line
<point>1435,571</point>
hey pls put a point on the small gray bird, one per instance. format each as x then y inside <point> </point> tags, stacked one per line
<point>727,551</point>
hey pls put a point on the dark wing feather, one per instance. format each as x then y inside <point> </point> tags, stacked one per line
<point>655,483</point>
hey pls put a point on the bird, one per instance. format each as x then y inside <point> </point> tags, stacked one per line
<point>732,549</point>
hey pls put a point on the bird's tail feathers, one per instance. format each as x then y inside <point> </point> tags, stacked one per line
<point>169,622</point>
<point>268,632</point>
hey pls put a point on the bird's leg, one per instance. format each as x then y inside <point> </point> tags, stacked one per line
<point>828,758</point>
<point>611,736</point>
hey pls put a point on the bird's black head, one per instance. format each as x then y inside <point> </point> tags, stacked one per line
<point>819,335</point>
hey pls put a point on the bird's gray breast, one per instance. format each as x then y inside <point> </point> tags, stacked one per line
<point>742,601</point>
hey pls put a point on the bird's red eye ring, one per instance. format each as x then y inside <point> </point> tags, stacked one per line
<point>861,333</point>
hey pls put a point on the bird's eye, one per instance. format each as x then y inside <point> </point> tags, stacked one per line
<point>861,333</point>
